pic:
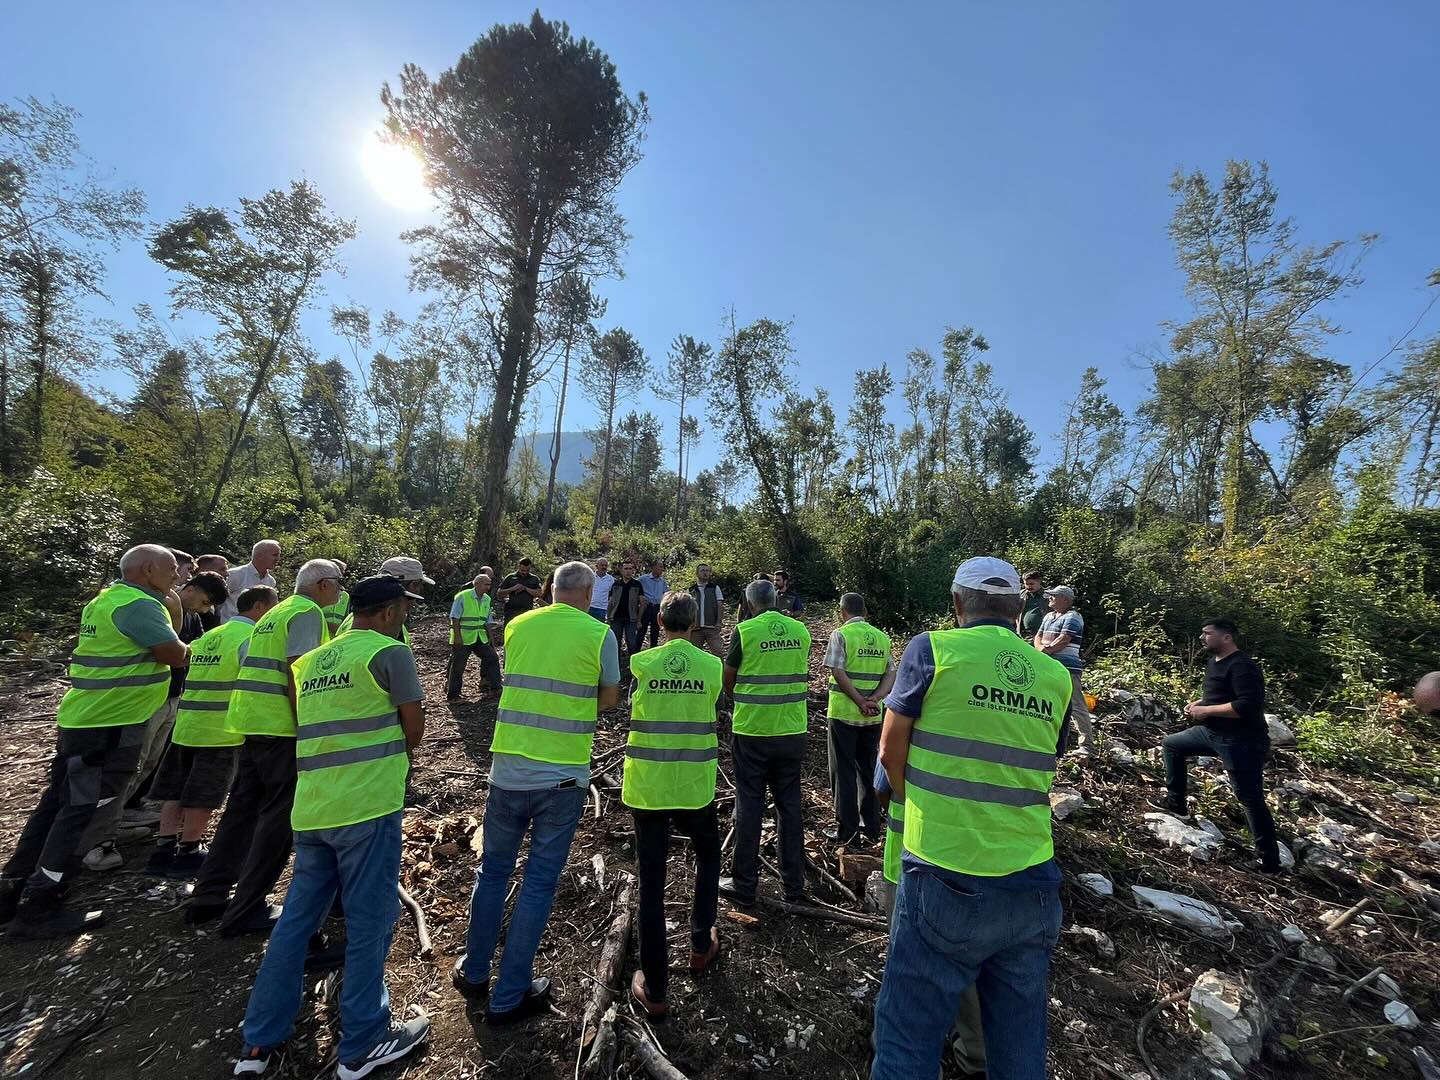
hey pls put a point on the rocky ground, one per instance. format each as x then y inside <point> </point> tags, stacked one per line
<point>1254,974</point>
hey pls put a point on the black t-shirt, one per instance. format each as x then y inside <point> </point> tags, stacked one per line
<point>520,601</point>
<point>191,627</point>
<point>1237,680</point>
<point>625,590</point>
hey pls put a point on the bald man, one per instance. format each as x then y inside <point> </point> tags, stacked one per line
<point>264,558</point>
<point>1427,694</point>
<point>119,677</point>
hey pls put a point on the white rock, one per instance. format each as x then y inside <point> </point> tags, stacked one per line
<point>1401,1015</point>
<point>879,893</point>
<point>1292,935</point>
<point>1225,1010</point>
<point>1119,753</point>
<point>1098,884</point>
<point>1075,1030</point>
<point>1319,858</point>
<point>1064,802</point>
<point>1199,844</point>
<point>1330,833</point>
<point>1098,940</point>
<point>1430,847</point>
<point>1185,911</point>
<point>1280,733</point>
<point>1409,798</point>
<point>1120,697</point>
<point>1209,826</point>
<point>1287,859</point>
<point>1387,986</point>
<point>1299,787</point>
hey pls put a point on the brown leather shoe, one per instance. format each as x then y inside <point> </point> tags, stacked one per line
<point>655,1010</point>
<point>702,962</point>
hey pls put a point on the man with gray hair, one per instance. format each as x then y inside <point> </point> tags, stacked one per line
<point>119,676</point>
<point>264,558</point>
<point>252,842</point>
<point>562,669</point>
<point>767,674</point>
<point>968,746</point>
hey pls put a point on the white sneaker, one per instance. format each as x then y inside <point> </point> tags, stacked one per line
<point>401,1039</point>
<point>104,857</point>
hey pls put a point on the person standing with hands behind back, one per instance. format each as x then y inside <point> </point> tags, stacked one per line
<point>861,673</point>
<point>359,716</point>
<point>519,590</point>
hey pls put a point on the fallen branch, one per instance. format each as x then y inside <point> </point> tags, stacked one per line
<point>831,880</point>
<point>816,911</point>
<point>422,929</point>
<point>1145,1023</point>
<point>1346,917</point>
<point>653,1061</point>
<point>1360,983</point>
<point>595,792</point>
<point>596,1029</point>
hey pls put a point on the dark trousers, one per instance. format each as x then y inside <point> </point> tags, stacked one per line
<point>90,769</point>
<point>649,625</point>
<point>253,840</point>
<point>652,851</point>
<point>460,658</point>
<point>627,637</point>
<point>853,749</point>
<point>1244,758</point>
<point>771,762</point>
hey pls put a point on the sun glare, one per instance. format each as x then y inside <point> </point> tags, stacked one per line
<point>395,172</point>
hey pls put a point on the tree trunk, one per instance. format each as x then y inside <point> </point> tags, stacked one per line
<point>555,449</point>
<point>511,382</point>
<point>604,494</point>
<point>680,460</point>
<point>7,465</point>
<point>297,464</point>
<point>261,373</point>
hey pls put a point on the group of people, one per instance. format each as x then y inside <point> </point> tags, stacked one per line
<point>299,716</point>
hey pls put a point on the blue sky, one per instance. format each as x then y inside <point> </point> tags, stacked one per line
<point>871,176</point>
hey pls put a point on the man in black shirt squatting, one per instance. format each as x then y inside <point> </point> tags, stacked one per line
<point>1231,716</point>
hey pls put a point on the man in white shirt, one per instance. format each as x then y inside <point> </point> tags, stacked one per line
<point>600,599</point>
<point>264,557</point>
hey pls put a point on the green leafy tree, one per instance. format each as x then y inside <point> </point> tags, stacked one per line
<point>618,368</point>
<point>525,142</point>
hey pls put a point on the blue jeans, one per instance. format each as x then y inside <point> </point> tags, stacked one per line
<point>946,935</point>
<point>362,862</point>
<point>600,614</point>
<point>550,816</point>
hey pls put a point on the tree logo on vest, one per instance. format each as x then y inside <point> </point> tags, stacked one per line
<point>328,660</point>
<point>776,627</point>
<point>1015,670</point>
<point>676,665</point>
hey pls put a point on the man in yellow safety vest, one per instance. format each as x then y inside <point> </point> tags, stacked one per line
<point>861,673</point>
<point>969,746</point>
<point>562,669</point>
<point>119,676</point>
<point>472,626</point>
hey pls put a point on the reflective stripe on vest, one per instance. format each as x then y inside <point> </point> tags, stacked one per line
<point>335,613</point>
<point>982,754</point>
<point>552,676</point>
<point>214,666</point>
<point>772,685</point>
<point>671,753</point>
<point>894,840</point>
<point>113,681</point>
<point>867,654</point>
<point>260,704</point>
<point>350,754</point>
<point>473,613</point>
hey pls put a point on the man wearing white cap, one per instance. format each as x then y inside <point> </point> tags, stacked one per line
<point>411,573</point>
<point>969,746</point>
<point>1060,635</point>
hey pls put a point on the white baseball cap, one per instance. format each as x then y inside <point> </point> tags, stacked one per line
<point>406,569</point>
<point>1061,590</point>
<point>985,573</point>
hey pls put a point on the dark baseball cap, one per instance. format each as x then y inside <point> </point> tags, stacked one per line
<point>378,591</point>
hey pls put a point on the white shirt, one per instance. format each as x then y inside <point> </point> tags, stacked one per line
<point>600,598</point>
<point>240,579</point>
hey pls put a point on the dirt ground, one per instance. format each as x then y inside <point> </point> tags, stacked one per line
<point>793,997</point>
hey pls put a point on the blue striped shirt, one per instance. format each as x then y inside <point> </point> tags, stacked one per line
<point>1070,623</point>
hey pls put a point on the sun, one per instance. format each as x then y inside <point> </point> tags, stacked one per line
<point>395,172</point>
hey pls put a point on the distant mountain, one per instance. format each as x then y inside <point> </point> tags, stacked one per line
<point>575,447</point>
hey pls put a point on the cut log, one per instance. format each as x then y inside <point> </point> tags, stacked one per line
<point>817,911</point>
<point>857,867</point>
<point>1346,917</point>
<point>608,974</point>
<point>742,918</point>
<point>653,1061</point>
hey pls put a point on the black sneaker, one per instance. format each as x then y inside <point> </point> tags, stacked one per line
<point>476,994</point>
<point>254,1060</point>
<point>399,1041</point>
<point>262,921</point>
<point>199,914</point>
<point>42,919</point>
<point>535,1001</point>
<point>158,865</point>
<point>1170,805</point>
<point>186,864</point>
<point>741,900</point>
